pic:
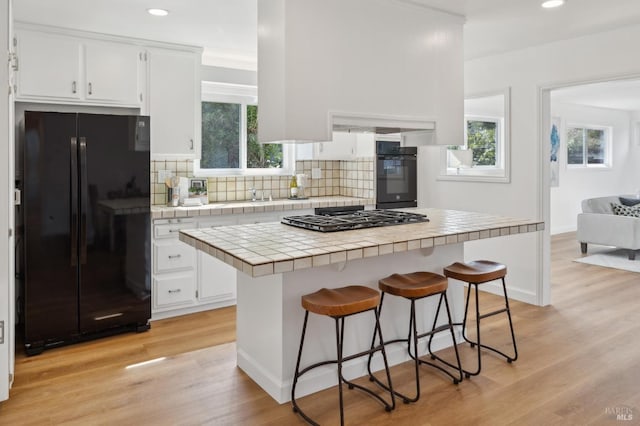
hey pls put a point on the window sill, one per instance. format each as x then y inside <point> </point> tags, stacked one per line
<point>491,176</point>
<point>589,168</point>
<point>237,172</point>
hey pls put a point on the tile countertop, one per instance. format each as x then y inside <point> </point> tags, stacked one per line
<point>272,248</point>
<point>241,207</point>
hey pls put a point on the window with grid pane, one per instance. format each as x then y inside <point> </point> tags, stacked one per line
<point>587,146</point>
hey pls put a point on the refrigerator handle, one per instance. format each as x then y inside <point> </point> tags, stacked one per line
<point>84,195</point>
<point>74,200</point>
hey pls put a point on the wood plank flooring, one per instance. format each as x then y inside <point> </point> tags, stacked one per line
<point>579,361</point>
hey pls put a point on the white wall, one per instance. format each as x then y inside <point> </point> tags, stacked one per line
<point>578,184</point>
<point>526,72</point>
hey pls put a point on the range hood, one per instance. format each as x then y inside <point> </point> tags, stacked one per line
<point>381,66</point>
<point>412,131</point>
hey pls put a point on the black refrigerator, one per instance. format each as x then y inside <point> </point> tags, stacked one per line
<point>86,217</point>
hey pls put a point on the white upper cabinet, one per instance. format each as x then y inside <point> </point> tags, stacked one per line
<point>48,66</point>
<point>60,68</point>
<point>345,146</point>
<point>386,59</point>
<point>174,101</point>
<point>114,72</point>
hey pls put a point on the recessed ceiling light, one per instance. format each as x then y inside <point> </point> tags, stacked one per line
<point>158,12</point>
<point>552,3</point>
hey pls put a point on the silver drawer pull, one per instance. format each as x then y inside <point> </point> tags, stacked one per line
<point>174,291</point>
<point>174,230</point>
<point>175,256</point>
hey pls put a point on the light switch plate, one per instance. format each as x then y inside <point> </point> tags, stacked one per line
<point>316,173</point>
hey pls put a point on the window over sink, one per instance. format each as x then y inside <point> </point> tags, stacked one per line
<point>229,135</point>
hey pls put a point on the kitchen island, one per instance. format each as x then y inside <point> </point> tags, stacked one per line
<point>280,263</point>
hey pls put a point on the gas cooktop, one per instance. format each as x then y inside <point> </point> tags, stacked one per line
<point>345,219</point>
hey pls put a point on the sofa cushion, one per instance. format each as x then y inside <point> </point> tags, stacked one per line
<point>629,201</point>
<point>621,210</point>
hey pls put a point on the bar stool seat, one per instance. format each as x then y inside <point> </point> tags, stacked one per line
<point>475,273</point>
<point>339,303</point>
<point>414,286</point>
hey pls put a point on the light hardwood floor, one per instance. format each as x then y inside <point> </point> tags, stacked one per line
<point>579,360</point>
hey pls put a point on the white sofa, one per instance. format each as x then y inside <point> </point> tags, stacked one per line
<point>598,225</point>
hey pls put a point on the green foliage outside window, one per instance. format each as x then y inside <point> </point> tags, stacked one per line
<point>220,135</point>
<point>481,139</point>
<point>221,139</point>
<point>261,156</point>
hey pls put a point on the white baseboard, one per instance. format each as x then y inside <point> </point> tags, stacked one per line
<point>325,377</point>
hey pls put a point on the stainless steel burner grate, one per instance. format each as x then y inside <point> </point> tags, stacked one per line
<point>344,221</point>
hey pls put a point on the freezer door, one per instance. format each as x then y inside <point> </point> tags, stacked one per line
<point>114,235</point>
<point>50,223</point>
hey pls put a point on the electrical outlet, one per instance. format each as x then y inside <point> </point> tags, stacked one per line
<point>316,173</point>
<point>164,175</point>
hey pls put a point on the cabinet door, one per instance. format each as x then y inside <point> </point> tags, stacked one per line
<point>174,101</point>
<point>173,255</point>
<point>112,73</point>
<point>173,290</point>
<point>49,66</point>
<point>342,147</point>
<point>216,279</point>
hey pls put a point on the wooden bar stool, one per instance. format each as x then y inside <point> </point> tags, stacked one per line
<point>476,273</point>
<point>416,286</point>
<point>339,303</point>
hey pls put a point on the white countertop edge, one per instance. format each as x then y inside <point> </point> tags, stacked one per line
<point>511,226</point>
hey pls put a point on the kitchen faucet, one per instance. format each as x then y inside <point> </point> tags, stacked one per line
<point>253,194</point>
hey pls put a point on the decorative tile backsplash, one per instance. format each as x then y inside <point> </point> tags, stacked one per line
<point>352,178</point>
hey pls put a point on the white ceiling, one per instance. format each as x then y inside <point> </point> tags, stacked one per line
<point>227,29</point>
<point>622,95</point>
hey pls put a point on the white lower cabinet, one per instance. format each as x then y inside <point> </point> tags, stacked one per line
<point>216,280</point>
<point>186,280</point>
<point>174,267</point>
<point>174,290</point>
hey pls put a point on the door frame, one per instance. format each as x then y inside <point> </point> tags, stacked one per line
<point>7,281</point>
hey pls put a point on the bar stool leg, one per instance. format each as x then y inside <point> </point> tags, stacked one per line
<point>449,325</point>
<point>479,317</point>
<point>297,373</point>
<point>413,337</point>
<point>513,336</point>
<point>339,342</point>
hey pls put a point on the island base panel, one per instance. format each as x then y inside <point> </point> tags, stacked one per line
<point>269,319</point>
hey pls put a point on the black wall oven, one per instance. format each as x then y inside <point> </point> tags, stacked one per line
<point>396,175</point>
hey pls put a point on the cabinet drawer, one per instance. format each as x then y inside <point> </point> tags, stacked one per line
<point>176,289</point>
<point>169,228</point>
<point>173,256</point>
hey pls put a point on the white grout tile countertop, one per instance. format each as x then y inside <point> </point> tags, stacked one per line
<point>272,248</point>
<point>242,207</point>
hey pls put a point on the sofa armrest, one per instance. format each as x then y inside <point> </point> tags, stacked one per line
<point>609,230</point>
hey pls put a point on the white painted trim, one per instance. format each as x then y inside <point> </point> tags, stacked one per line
<point>7,280</point>
<point>171,157</point>
<point>104,37</point>
<point>562,230</point>
<point>514,293</point>
<point>544,191</point>
<point>543,195</point>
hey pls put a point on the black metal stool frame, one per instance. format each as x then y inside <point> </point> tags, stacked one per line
<point>339,321</point>
<point>414,336</point>
<point>506,309</point>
